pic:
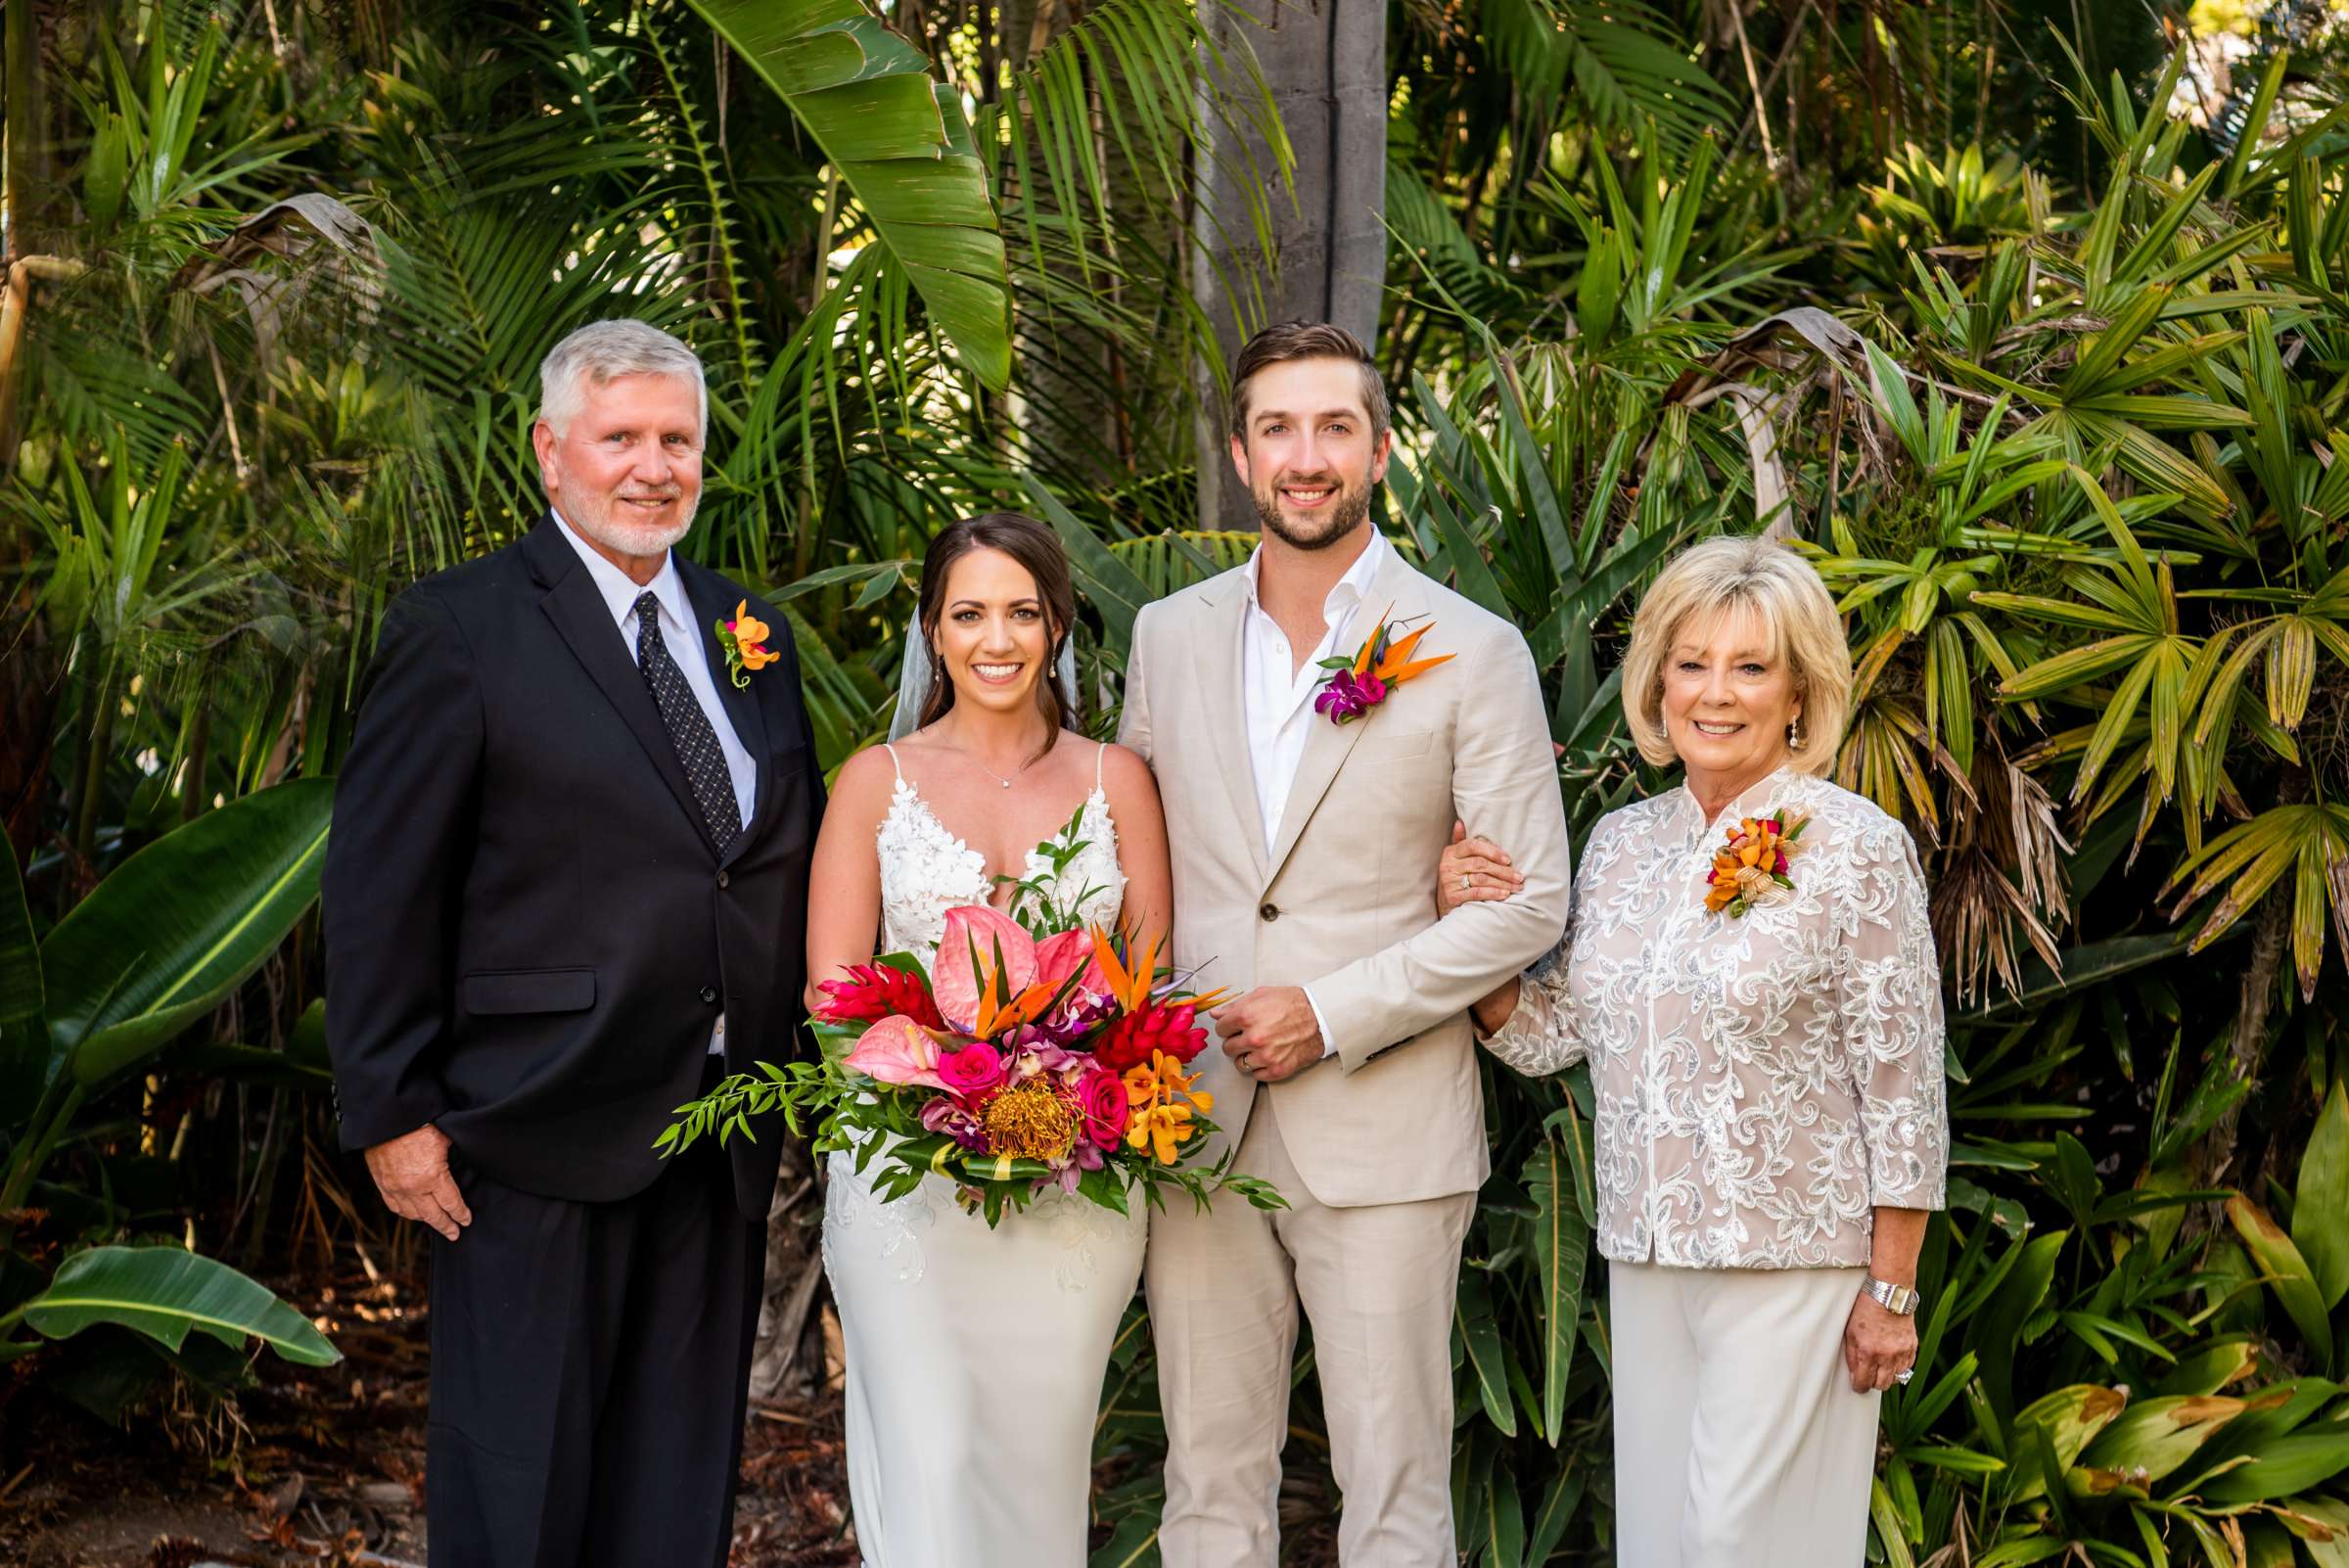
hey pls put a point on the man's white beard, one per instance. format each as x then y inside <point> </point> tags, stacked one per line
<point>630,539</point>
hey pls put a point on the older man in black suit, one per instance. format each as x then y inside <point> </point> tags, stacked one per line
<point>566,888</point>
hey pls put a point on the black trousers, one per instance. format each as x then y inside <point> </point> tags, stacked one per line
<point>589,1374</point>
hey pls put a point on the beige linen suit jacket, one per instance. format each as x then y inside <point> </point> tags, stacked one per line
<point>1344,900</point>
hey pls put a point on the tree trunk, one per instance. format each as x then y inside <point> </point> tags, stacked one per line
<point>1325,62</point>
<point>795,1271</point>
<point>2247,1041</point>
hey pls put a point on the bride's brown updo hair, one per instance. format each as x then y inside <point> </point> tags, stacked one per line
<point>1033,547</point>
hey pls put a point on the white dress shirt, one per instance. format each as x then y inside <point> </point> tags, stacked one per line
<point>1277,692</point>
<point>684,643</point>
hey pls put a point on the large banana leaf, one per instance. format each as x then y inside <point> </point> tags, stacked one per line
<point>900,143</point>
<point>24,1049</point>
<point>179,925</point>
<point>163,1292</point>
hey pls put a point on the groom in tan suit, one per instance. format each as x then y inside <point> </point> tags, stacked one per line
<point>1304,851</point>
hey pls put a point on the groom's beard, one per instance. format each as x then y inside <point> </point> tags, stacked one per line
<point>598,522</point>
<point>1353,505</point>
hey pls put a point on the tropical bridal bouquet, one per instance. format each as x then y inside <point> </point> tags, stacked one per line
<point>1035,1053</point>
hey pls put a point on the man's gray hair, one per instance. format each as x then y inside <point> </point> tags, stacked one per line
<point>603,350</point>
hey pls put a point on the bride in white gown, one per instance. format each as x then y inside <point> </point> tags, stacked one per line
<point>976,1356</point>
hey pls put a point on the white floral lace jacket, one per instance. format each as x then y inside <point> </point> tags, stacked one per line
<point>1762,1082</point>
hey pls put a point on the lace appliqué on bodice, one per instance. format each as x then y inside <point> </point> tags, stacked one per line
<point>927,871</point>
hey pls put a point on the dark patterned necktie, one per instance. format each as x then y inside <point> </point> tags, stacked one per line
<point>689,728</point>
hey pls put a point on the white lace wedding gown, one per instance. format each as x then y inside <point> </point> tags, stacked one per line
<point>974,1357</point>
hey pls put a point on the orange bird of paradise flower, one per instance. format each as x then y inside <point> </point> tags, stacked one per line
<point>1393,663</point>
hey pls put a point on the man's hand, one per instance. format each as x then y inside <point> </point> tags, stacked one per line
<point>411,1171</point>
<point>1270,1034</point>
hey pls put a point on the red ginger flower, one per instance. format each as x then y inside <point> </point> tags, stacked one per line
<point>1155,1027</point>
<point>874,992</point>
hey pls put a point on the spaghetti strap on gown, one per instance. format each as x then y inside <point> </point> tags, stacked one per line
<point>974,1357</point>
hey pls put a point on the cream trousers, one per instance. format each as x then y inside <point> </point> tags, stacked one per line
<point>1738,1440</point>
<point>1377,1282</point>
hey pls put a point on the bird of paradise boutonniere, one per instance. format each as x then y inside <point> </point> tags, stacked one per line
<point>744,640</point>
<point>1753,866</point>
<point>1355,685</point>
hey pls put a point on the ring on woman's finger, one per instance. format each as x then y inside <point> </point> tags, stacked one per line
<point>1464,880</point>
<point>1904,1374</point>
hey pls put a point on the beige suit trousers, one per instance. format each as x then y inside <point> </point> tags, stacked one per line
<point>1377,1283</point>
<point>1738,1440</point>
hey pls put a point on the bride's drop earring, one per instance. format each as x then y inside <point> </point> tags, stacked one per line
<point>1794,733</point>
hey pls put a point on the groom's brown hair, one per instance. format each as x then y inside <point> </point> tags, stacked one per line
<point>1306,339</point>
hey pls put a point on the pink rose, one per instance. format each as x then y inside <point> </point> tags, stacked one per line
<point>973,1072</point>
<point>1101,1097</point>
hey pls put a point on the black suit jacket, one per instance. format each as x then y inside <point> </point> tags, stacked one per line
<point>529,931</point>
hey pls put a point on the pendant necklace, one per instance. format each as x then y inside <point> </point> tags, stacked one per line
<point>991,772</point>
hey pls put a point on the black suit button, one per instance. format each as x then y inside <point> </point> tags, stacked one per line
<point>1269,911</point>
<point>721,879</point>
<point>709,996</point>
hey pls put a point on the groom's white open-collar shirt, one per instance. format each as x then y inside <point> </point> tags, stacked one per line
<point>685,648</point>
<point>1277,692</point>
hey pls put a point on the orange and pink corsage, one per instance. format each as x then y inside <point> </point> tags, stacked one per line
<point>1752,867</point>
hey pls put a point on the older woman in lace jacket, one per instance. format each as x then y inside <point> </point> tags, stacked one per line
<point>1763,1030</point>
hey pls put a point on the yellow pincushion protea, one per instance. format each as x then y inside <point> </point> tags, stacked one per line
<point>1164,1106</point>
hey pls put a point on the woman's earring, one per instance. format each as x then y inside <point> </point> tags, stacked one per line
<point>1794,733</point>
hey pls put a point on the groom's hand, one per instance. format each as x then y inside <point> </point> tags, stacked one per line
<point>1270,1034</point>
<point>412,1174</point>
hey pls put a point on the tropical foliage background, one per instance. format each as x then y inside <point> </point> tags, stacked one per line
<point>2028,323</point>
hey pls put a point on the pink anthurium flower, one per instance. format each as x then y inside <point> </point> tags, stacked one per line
<point>1070,954</point>
<point>897,1050</point>
<point>984,960</point>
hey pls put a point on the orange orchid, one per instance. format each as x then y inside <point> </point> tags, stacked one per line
<point>1165,1107</point>
<point>744,640</point>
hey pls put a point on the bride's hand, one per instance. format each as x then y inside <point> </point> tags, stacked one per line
<point>1473,871</point>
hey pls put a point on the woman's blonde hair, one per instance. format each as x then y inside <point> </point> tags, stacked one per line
<point>1715,578</point>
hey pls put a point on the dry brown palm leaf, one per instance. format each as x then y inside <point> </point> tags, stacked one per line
<point>1768,372</point>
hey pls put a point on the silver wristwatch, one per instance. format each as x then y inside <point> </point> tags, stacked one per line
<point>1898,1299</point>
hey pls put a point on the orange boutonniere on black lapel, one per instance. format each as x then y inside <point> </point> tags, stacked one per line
<point>745,640</point>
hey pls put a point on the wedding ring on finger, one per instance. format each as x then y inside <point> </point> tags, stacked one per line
<point>1466,879</point>
<point>1904,1374</point>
